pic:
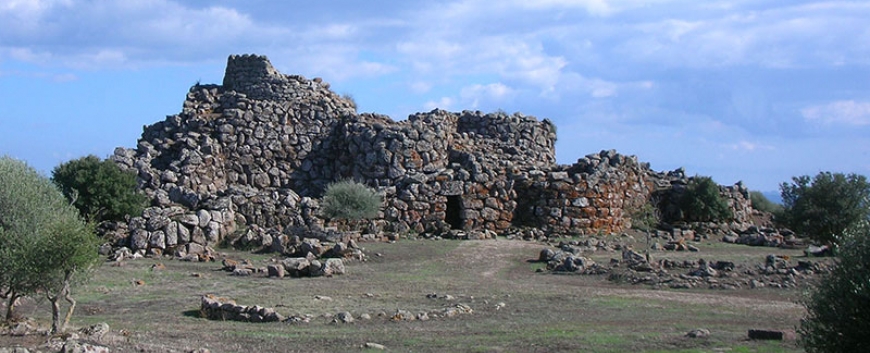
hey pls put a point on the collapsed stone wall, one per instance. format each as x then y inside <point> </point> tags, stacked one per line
<point>668,188</point>
<point>262,147</point>
<point>592,195</point>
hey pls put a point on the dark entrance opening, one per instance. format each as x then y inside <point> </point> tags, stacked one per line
<point>454,209</point>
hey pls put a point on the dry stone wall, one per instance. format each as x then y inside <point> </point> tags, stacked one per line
<point>592,195</point>
<point>261,148</point>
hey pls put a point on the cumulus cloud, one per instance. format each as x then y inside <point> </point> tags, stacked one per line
<point>829,32</point>
<point>845,112</point>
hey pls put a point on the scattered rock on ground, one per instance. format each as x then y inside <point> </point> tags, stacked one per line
<point>698,333</point>
<point>371,345</point>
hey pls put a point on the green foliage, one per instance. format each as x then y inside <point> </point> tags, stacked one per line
<point>825,206</point>
<point>24,205</point>
<point>43,242</point>
<point>350,200</point>
<point>99,189</point>
<point>838,308</point>
<point>762,203</point>
<point>702,202</point>
<point>349,99</point>
<point>645,218</point>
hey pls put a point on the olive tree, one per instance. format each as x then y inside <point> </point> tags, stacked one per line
<point>838,307</point>
<point>99,189</point>
<point>44,243</point>
<point>824,206</point>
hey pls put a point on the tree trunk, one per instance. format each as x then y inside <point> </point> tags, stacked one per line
<point>56,325</point>
<point>10,307</point>
<point>55,313</point>
<point>72,303</point>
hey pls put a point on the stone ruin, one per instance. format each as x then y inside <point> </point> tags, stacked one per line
<point>259,150</point>
<point>641,269</point>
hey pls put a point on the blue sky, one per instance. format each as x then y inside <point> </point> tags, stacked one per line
<point>749,90</point>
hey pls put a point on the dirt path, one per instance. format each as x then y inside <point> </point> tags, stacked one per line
<point>491,257</point>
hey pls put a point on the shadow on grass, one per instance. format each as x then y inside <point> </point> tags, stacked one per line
<point>192,313</point>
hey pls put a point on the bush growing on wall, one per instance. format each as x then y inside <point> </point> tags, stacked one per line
<point>701,201</point>
<point>99,189</point>
<point>349,200</point>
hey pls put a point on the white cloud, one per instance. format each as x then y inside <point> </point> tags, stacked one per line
<point>420,87</point>
<point>444,103</point>
<point>830,33</point>
<point>430,54</point>
<point>530,65</point>
<point>602,8</point>
<point>845,112</point>
<point>572,84</point>
<point>593,7</point>
<point>51,76</point>
<point>493,92</point>
<point>332,61</point>
<point>747,146</point>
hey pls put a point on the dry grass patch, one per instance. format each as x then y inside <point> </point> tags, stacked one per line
<point>515,308</point>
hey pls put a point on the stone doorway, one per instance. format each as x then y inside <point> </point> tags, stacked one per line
<point>453,215</point>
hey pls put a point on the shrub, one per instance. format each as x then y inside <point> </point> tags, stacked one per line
<point>645,218</point>
<point>43,242</point>
<point>825,206</point>
<point>350,100</point>
<point>99,189</point>
<point>838,308</point>
<point>702,201</point>
<point>351,201</point>
<point>762,203</point>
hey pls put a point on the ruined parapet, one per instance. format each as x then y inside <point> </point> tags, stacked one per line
<point>380,152</point>
<point>252,75</point>
<point>738,199</point>
<point>506,141</point>
<point>593,195</point>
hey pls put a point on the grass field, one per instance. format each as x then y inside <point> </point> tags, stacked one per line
<point>515,308</point>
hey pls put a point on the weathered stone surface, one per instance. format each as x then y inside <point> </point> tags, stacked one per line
<point>343,317</point>
<point>217,308</point>
<point>698,333</point>
<point>334,267</point>
<point>139,239</point>
<point>276,271</point>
